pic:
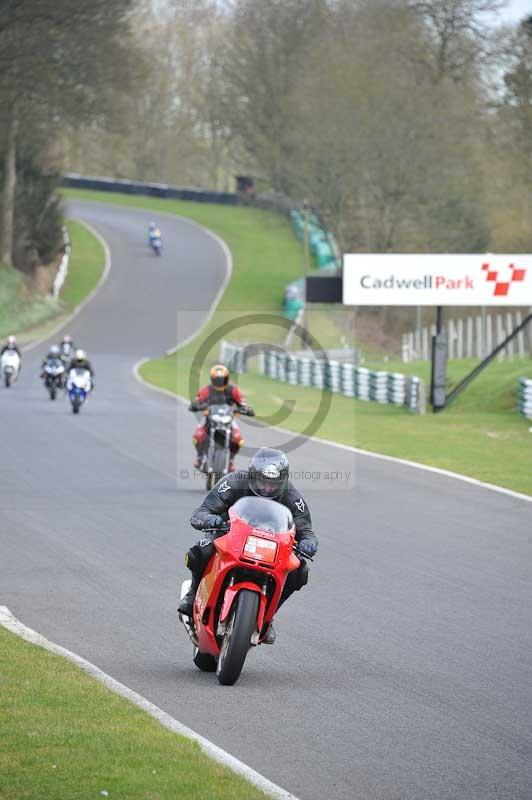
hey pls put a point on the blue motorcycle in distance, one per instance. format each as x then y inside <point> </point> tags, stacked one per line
<point>79,385</point>
<point>155,239</point>
<point>157,245</point>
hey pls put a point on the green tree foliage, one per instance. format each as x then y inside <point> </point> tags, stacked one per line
<point>58,62</point>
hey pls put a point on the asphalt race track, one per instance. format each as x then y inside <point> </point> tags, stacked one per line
<point>402,672</point>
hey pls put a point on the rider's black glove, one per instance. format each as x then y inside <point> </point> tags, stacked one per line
<point>247,411</point>
<point>307,547</point>
<point>213,521</point>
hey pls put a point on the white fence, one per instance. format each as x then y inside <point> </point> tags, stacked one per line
<point>62,272</point>
<point>473,337</point>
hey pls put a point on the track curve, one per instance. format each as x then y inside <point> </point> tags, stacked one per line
<point>404,670</point>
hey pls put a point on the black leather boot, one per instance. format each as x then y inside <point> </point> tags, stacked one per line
<point>270,635</point>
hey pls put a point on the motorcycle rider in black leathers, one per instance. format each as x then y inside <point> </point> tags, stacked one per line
<point>267,477</point>
<point>54,354</point>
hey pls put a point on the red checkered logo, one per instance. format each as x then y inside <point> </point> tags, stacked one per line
<point>502,284</point>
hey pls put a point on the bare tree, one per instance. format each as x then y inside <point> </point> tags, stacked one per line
<point>266,46</point>
<point>460,32</point>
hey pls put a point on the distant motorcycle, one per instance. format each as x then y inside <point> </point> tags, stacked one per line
<point>215,462</point>
<point>10,367</point>
<point>79,385</point>
<point>67,351</point>
<point>156,243</point>
<point>54,376</point>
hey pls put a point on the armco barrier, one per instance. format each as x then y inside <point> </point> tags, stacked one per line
<point>525,397</point>
<point>102,184</point>
<point>344,378</point>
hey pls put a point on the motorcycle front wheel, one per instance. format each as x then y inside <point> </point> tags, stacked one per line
<point>219,467</point>
<point>237,638</point>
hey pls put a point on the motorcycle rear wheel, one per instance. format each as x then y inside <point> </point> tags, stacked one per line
<point>237,638</point>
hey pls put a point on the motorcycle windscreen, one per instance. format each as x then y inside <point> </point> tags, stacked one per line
<point>267,515</point>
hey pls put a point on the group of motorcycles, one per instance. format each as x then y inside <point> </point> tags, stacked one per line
<point>56,375</point>
<point>76,382</point>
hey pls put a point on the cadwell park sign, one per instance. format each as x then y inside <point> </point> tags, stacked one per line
<point>437,280</point>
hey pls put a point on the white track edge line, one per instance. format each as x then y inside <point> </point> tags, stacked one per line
<point>11,623</point>
<point>81,306</point>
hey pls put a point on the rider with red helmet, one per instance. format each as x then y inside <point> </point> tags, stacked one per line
<point>218,391</point>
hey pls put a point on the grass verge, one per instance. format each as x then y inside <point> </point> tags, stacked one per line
<point>481,435</point>
<point>32,317</point>
<point>64,735</point>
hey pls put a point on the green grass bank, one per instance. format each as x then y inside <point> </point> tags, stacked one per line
<point>30,316</point>
<point>64,735</point>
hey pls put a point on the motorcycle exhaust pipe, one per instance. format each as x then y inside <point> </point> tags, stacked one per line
<point>189,629</point>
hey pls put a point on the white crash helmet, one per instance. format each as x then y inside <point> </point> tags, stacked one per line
<point>80,356</point>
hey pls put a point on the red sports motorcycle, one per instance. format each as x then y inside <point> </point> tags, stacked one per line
<point>241,587</point>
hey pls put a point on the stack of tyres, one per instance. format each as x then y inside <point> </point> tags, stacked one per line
<point>291,370</point>
<point>271,364</point>
<point>413,389</point>
<point>281,366</point>
<point>318,377</point>
<point>347,379</point>
<point>324,254</point>
<point>396,388</point>
<point>525,397</point>
<point>378,386</point>
<point>304,371</point>
<point>362,383</point>
<point>332,376</point>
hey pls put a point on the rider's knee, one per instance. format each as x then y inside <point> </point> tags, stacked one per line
<point>199,555</point>
<point>302,575</point>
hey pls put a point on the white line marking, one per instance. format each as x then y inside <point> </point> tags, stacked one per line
<point>81,306</point>
<point>11,623</point>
